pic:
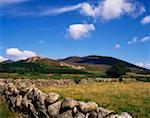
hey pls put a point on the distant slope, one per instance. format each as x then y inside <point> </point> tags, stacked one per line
<point>96,60</point>
<point>70,65</point>
<point>38,65</point>
<point>7,61</point>
<point>103,62</point>
<point>42,60</point>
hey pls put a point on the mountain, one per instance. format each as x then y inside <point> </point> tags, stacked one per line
<point>96,60</point>
<point>7,61</point>
<point>101,62</point>
<point>42,60</point>
<point>68,65</point>
<point>40,65</point>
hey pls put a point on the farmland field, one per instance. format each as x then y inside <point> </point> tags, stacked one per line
<point>132,97</point>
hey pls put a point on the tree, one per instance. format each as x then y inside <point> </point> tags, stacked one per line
<point>117,71</point>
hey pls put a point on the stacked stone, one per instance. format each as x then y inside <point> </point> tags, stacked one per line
<point>32,102</point>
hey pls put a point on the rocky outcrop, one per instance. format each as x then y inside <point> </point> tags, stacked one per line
<point>32,102</point>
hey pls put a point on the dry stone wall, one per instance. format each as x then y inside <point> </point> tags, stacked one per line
<point>33,103</point>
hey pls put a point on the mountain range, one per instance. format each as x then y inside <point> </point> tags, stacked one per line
<point>91,63</point>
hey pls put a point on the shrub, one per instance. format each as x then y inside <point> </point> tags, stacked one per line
<point>117,70</point>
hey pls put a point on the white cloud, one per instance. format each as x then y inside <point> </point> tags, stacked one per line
<point>133,41</point>
<point>145,20</point>
<point>13,52</point>
<point>111,9</point>
<point>140,64</point>
<point>105,9</point>
<point>78,31</point>
<point>87,10</point>
<point>18,54</point>
<point>117,46</point>
<point>2,59</point>
<point>146,38</point>
<point>56,11</point>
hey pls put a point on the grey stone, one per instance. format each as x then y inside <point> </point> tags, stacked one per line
<point>11,85</point>
<point>75,110</point>
<point>24,101</point>
<point>67,114</point>
<point>112,116</point>
<point>32,109</point>
<point>79,115</point>
<point>69,103</point>
<point>15,91</point>
<point>18,101</point>
<point>54,108</point>
<point>124,115</point>
<point>12,102</point>
<point>93,114</point>
<point>103,112</point>
<point>21,86</point>
<point>3,89</point>
<point>87,107</point>
<point>52,97</point>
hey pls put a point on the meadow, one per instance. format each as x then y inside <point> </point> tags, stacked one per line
<point>132,97</point>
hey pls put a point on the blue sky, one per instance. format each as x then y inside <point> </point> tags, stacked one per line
<point>62,28</point>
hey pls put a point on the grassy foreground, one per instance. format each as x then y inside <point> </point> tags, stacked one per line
<point>132,97</point>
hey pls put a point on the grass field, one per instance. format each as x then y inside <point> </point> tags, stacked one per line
<point>132,97</point>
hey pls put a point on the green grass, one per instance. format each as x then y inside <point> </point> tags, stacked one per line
<point>46,76</point>
<point>132,97</point>
<point>36,67</point>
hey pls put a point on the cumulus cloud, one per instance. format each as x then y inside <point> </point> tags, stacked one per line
<point>19,54</point>
<point>78,31</point>
<point>13,52</point>
<point>146,38</point>
<point>140,64</point>
<point>2,59</point>
<point>111,9</point>
<point>88,10</point>
<point>117,46</point>
<point>145,20</point>
<point>105,9</point>
<point>132,41</point>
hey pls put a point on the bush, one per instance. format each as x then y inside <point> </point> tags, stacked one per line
<point>117,70</point>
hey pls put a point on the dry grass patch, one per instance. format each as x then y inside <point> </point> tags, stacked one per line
<point>133,97</point>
